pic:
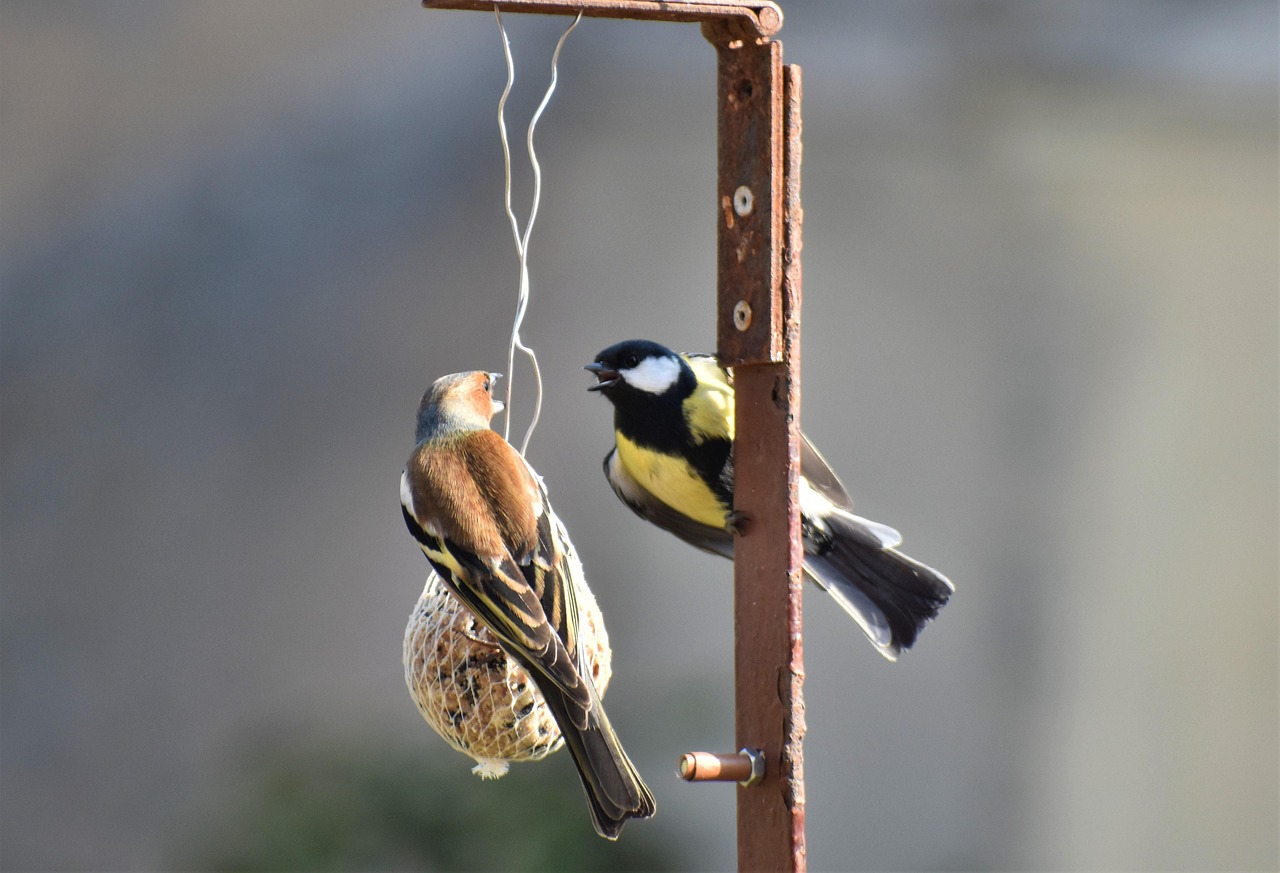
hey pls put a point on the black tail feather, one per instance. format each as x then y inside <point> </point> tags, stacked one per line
<point>615,792</point>
<point>891,595</point>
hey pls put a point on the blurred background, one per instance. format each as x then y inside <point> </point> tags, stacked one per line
<point>1040,337</point>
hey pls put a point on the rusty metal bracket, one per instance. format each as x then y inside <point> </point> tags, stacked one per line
<point>755,18</point>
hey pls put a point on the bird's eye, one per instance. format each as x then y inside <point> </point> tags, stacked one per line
<point>631,362</point>
<point>486,383</point>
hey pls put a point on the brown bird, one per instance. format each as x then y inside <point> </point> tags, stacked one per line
<point>481,515</point>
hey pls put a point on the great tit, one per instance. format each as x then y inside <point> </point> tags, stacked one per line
<point>481,515</point>
<point>672,464</point>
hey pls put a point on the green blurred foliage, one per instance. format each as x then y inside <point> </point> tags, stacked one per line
<point>332,808</point>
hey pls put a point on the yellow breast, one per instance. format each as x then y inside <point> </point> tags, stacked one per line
<point>673,481</point>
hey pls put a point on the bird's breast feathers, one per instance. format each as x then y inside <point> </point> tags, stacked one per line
<point>672,480</point>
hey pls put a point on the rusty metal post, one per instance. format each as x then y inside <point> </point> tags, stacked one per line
<point>758,321</point>
<point>748,198</point>
<point>758,334</point>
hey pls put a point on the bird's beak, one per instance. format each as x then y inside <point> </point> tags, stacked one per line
<point>605,378</point>
<point>497,404</point>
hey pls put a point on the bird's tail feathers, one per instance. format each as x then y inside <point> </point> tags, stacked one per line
<point>615,792</point>
<point>891,596</point>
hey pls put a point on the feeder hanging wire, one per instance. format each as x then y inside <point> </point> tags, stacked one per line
<point>522,242</point>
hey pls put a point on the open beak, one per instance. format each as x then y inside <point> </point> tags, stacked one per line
<point>497,404</point>
<point>605,378</point>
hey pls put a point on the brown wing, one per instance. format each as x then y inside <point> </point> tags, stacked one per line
<point>479,492</point>
<point>481,516</point>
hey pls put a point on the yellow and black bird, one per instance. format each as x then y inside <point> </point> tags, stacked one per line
<point>673,465</point>
<point>481,515</point>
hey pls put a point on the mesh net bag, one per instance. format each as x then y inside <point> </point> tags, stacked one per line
<point>476,697</point>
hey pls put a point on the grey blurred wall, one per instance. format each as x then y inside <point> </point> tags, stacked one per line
<point>1040,338</point>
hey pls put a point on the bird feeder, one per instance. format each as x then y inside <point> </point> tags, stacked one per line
<point>758,220</point>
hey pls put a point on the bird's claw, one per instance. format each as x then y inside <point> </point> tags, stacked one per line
<point>736,522</point>
<point>473,631</point>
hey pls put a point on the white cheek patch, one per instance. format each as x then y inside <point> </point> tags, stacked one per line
<point>654,375</point>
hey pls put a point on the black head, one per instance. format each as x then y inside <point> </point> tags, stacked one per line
<point>640,368</point>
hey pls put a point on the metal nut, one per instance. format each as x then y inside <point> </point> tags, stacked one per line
<point>743,200</point>
<point>742,315</point>
<point>756,756</point>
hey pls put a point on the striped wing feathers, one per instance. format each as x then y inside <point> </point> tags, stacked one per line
<point>482,518</point>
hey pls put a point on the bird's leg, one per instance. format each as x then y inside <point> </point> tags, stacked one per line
<point>737,522</point>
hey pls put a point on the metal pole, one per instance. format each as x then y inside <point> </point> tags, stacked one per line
<point>758,321</point>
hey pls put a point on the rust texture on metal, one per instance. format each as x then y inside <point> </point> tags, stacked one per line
<point>754,18</point>
<point>711,767</point>
<point>749,198</point>
<point>794,725</point>
<point>768,557</point>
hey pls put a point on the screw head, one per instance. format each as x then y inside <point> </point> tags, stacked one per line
<point>742,315</point>
<point>743,200</point>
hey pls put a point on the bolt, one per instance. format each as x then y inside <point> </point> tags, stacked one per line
<point>745,768</point>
